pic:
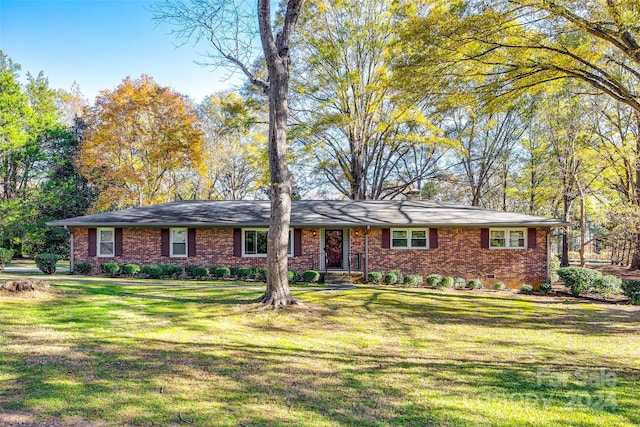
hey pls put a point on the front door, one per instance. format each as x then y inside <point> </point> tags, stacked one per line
<point>333,248</point>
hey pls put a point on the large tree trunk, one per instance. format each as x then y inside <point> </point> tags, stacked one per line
<point>276,52</point>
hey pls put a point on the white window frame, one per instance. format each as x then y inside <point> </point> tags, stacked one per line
<point>409,232</point>
<point>507,238</point>
<point>186,242</point>
<point>99,242</point>
<point>265,230</point>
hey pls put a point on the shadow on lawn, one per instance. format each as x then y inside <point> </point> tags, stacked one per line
<point>102,373</point>
<point>246,384</point>
<point>492,311</point>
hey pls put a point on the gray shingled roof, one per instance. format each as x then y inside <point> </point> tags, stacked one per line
<point>308,213</point>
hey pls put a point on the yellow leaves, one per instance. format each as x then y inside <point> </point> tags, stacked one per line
<point>139,134</point>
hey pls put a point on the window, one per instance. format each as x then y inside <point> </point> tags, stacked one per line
<point>254,242</point>
<point>507,238</point>
<point>106,237</point>
<point>178,243</point>
<point>409,239</point>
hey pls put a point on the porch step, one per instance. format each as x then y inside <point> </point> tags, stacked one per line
<point>343,277</point>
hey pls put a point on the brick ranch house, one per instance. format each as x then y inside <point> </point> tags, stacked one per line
<point>417,237</point>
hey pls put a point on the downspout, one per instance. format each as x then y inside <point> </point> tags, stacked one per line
<point>71,251</point>
<point>548,242</point>
<point>366,253</point>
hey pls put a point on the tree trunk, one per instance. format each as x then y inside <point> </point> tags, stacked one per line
<point>635,261</point>
<point>564,258</point>
<point>276,52</point>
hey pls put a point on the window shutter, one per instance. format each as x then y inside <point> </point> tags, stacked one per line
<point>164,242</point>
<point>93,242</point>
<point>191,242</point>
<point>117,236</point>
<point>386,238</point>
<point>531,238</point>
<point>237,242</point>
<point>433,238</point>
<point>484,238</point>
<point>297,242</point>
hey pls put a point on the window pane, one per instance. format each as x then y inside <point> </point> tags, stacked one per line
<point>179,248</point>
<point>418,234</point>
<point>106,235</point>
<point>516,239</point>
<point>106,248</point>
<point>399,243</point>
<point>419,243</point>
<point>399,234</point>
<point>250,242</point>
<point>179,236</point>
<point>261,244</point>
<point>498,239</point>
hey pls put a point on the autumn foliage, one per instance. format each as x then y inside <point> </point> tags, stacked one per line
<point>142,139</point>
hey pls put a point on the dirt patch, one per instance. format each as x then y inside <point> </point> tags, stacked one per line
<point>25,419</point>
<point>25,286</point>
<point>616,270</point>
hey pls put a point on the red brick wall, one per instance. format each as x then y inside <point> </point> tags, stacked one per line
<point>458,254</point>
<point>214,247</point>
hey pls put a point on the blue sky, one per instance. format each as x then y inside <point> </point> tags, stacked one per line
<point>97,43</point>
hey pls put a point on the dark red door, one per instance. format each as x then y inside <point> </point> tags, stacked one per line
<point>333,248</point>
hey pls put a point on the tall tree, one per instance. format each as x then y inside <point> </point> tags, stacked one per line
<point>488,139</point>
<point>232,132</point>
<point>364,142</point>
<point>229,27</point>
<point>508,47</point>
<point>137,135</point>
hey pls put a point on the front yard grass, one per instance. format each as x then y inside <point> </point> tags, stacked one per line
<point>128,352</point>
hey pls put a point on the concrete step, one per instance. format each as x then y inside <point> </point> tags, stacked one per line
<point>343,277</point>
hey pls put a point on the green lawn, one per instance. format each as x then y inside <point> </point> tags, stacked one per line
<point>118,352</point>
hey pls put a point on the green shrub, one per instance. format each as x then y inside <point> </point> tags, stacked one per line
<point>234,271</point>
<point>390,278</point>
<point>245,272</point>
<point>110,268</point>
<point>260,273</point>
<point>152,271</point>
<point>526,289</point>
<point>546,288</point>
<point>399,275</point>
<point>579,279</point>
<point>375,277</point>
<point>130,269</point>
<point>413,280</point>
<point>293,276</point>
<point>221,272</point>
<point>310,276</point>
<point>199,273</point>
<point>6,255</point>
<point>631,288</point>
<point>608,286</point>
<point>447,282</point>
<point>474,284</point>
<point>459,282</point>
<point>83,267</point>
<point>173,271</point>
<point>433,280</point>
<point>499,286</point>
<point>46,262</point>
